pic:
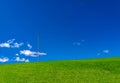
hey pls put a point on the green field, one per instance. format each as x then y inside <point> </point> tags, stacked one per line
<point>71,71</point>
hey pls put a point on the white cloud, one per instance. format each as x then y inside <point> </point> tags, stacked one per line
<point>31,53</point>
<point>18,59</point>
<point>17,54</point>
<point>10,44</point>
<point>4,59</point>
<point>27,60</point>
<point>29,46</point>
<point>6,45</point>
<point>106,51</point>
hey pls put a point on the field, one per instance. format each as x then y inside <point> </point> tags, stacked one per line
<point>71,71</point>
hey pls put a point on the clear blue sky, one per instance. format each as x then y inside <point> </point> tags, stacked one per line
<point>69,29</point>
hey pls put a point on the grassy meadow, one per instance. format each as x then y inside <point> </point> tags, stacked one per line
<point>69,71</point>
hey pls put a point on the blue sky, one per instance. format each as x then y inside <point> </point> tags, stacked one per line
<point>69,29</point>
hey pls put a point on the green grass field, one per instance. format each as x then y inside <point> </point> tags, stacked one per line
<point>71,71</point>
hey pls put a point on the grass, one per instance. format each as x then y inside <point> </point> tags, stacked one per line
<point>73,71</point>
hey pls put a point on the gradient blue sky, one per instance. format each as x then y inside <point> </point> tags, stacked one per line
<point>69,29</point>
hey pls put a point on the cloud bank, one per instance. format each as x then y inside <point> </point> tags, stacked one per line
<point>11,44</point>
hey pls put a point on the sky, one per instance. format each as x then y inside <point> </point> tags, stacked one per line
<point>68,29</point>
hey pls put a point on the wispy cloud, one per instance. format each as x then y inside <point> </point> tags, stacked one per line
<point>11,44</point>
<point>103,52</point>
<point>31,53</point>
<point>17,45</point>
<point>106,51</point>
<point>18,59</point>
<point>82,40</point>
<point>98,54</point>
<point>77,43</point>
<point>4,59</point>
<point>29,46</point>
